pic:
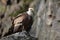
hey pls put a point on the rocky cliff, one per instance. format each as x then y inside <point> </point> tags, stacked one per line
<point>46,24</point>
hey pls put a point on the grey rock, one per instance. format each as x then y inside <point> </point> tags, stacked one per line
<point>18,36</point>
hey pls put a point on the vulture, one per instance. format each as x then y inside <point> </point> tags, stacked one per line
<point>22,22</point>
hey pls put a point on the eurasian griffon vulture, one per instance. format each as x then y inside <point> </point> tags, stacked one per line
<point>23,21</point>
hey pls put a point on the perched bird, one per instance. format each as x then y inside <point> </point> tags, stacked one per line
<point>22,22</point>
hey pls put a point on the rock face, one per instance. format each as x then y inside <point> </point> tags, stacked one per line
<point>41,29</point>
<point>3,1</point>
<point>18,36</point>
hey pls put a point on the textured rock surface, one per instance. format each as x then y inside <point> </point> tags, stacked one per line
<point>18,36</point>
<point>39,28</point>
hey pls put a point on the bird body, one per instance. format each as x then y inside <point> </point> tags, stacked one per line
<point>21,22</point>
<point>24,20</point>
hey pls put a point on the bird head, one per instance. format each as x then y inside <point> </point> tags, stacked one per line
<point>30,11</point>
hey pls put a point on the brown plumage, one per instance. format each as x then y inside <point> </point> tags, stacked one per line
<point>24,20</point>
<point>21,22</point>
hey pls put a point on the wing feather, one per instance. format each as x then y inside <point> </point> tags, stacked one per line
<point>19,19</point>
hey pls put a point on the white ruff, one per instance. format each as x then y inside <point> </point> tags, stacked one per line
<point>30,12</point>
